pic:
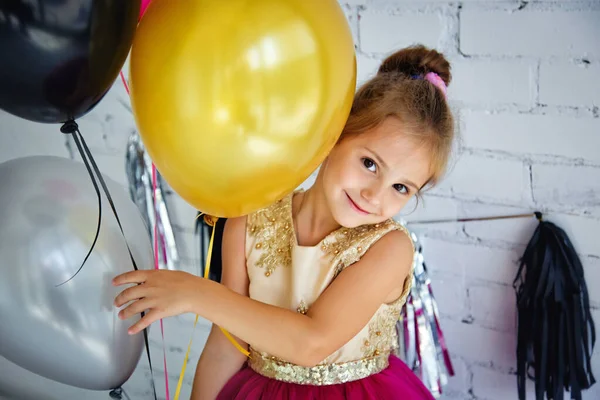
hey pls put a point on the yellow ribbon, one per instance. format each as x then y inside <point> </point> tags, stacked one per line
<point>212,221</point>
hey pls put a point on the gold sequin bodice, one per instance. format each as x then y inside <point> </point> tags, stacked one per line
<point>284,274</point>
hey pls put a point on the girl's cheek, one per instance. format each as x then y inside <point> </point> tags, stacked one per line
<point>394,206</point>
<point>355,177</point>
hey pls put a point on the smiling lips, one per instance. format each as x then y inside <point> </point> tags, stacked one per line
<point>356,206</point>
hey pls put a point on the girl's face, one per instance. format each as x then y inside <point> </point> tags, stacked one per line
<point>369,177</point>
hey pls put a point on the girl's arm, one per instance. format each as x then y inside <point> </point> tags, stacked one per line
<point>337,316</point>
<point>220,360</point>
<point>343,309</point>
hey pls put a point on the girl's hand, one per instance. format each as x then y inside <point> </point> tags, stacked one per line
<point>162,293</point>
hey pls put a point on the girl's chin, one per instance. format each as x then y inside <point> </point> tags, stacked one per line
<point>352,221</point>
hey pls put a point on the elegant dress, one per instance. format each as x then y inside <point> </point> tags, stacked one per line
<point>285,274</point>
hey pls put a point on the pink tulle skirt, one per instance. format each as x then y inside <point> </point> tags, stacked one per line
<point>395,382</point>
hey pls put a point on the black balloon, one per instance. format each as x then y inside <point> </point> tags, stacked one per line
<point>58,58</point>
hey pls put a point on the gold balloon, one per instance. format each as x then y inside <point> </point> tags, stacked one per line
<point>238,101</point>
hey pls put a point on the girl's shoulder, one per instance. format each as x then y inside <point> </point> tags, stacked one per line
<point>279,210</point>
<point>351,244</point>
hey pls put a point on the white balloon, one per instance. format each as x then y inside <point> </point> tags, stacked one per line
<point>17,383</point>
<point>69,333</point>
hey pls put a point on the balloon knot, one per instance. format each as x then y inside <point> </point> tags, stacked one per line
<point>210,220</point>
<point>69,127</point>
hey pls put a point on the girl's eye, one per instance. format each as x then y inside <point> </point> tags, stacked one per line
<point>369,164</point>
<point>401,188</point>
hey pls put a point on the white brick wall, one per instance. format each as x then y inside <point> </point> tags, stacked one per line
<point>568,83</point>
<point>479,345</point>
<point>490,177</point>
<point>567,185</point>
<point>530,33</point>
<point>492,82</point>
<point>526,91</point>
<point>403,29</point>
<point>525,82</point>
<point>528,134</point>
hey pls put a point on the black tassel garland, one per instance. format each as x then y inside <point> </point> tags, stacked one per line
<point>556,334</point>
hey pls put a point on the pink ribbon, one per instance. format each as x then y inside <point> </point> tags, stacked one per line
<point>145,4</point>
<point>156,266</point>
<point>156,262</point>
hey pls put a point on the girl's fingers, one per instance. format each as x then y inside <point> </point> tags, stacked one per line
<point>139,276</point>
<point>135,308</point>
<point>153,315</point>
<point>132,293</point>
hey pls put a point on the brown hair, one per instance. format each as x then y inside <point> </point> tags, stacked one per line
<point>400,90</point>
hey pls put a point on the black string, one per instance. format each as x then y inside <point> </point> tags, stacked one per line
<point>72,128</point>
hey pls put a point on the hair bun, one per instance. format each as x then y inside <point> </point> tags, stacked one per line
<point>417,60</point>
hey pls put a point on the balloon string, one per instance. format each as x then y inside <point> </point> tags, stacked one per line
<point>206,275</point>
<point>71,127</point>
<point>156,266</point>
<point>125,83</point>
<point>227,334</point>
<point>187,353</point>
<point>156,262</point>
<point>213,222</point>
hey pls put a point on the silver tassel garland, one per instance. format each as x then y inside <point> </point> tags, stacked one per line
<point>138,167</point>
<point>422,344</point>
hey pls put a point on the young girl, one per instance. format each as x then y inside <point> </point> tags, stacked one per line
<point>313,285</point>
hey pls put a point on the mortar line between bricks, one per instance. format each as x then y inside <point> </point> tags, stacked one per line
<point>449,39</point>
<point>469,240</point>
<point>490,201</point>
<point>508,57</point>
<point>478,201</point>
<point>550,59</point>
<point>539,109</point>
<point>359,9</point>
<point>473,322</point>
<point>536,84</point>
<point>539,6</point>
<point>531,191</point>
<point>458,42</point>
<point>474,219</point>
<point>473,240</point>
<point>540,159</point>
<point>577,111</point>
<point>580,211</point>
<point>408,8</point>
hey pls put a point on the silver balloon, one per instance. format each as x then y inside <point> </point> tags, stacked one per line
<point>69,333</point>
<point>17,383</point>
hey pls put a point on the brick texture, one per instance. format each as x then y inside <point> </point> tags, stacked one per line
<point>526,134</point>
<point>526,97</point>
<point>530,33</point>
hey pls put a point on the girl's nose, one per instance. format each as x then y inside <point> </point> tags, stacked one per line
<point>372,194</point>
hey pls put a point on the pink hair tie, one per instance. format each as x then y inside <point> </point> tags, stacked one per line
<point>437,81</point>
